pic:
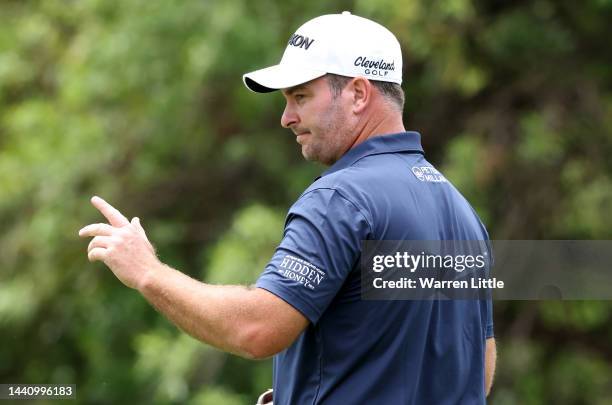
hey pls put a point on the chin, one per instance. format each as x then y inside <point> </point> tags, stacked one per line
<point>309,156</point>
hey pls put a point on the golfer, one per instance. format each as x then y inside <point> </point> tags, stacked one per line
<point>340,76</point>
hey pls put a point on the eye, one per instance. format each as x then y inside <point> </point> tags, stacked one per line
<point>299,97</point>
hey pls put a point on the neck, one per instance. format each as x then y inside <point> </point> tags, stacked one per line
<point>378,123</point>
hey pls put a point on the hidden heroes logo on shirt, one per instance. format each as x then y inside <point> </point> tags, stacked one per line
<point>301,271</point>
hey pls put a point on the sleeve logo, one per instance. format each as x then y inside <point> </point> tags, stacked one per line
<point>301,271</point>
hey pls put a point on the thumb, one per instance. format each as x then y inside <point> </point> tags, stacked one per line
<point>136,222</point>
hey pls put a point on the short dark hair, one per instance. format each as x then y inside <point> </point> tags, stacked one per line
<point>391,91</point>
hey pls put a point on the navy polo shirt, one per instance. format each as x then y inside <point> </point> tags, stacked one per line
<point>381,352</point>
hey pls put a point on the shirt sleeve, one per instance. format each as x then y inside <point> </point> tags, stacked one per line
<point>321,245</point>
<point>489,333</point>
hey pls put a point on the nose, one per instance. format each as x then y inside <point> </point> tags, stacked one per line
<point>289,117</point>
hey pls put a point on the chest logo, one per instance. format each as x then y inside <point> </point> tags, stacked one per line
<point>428,174</point>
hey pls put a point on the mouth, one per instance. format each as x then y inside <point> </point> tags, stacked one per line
<point>301,136</point>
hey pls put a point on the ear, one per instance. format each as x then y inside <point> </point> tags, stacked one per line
<point>361,93</point>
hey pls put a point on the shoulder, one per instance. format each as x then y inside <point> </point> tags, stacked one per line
<point>330,202</point>
<point>348,182</point>
<point>342,187</point>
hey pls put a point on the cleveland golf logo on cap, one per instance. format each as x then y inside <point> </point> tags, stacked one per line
<point>300,41</point>
<point>376,68</point>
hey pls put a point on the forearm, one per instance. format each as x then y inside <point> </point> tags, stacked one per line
<point>250,322</point>
<point>222,316</point>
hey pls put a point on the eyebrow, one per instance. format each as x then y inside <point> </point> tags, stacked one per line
<point>293,89</point>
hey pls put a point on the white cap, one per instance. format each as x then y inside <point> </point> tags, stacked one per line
<point>343,44</point>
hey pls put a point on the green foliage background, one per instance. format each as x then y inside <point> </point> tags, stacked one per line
<point>142,102</point>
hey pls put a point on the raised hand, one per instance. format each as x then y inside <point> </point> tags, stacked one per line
<point>121,244</point>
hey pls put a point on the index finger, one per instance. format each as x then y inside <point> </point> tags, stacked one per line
<point>115,218</point>
<point>96,230</point>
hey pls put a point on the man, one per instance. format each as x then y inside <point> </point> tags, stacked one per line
<point>340,75</point>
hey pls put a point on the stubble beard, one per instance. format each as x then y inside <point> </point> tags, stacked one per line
<point>330,142</point>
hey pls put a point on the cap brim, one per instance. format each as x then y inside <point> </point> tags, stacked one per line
<point>279,77</point>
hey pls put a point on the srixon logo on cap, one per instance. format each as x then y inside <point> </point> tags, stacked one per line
<point>300,41</point>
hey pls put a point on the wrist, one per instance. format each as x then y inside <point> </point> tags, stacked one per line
<point>149,276</point>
